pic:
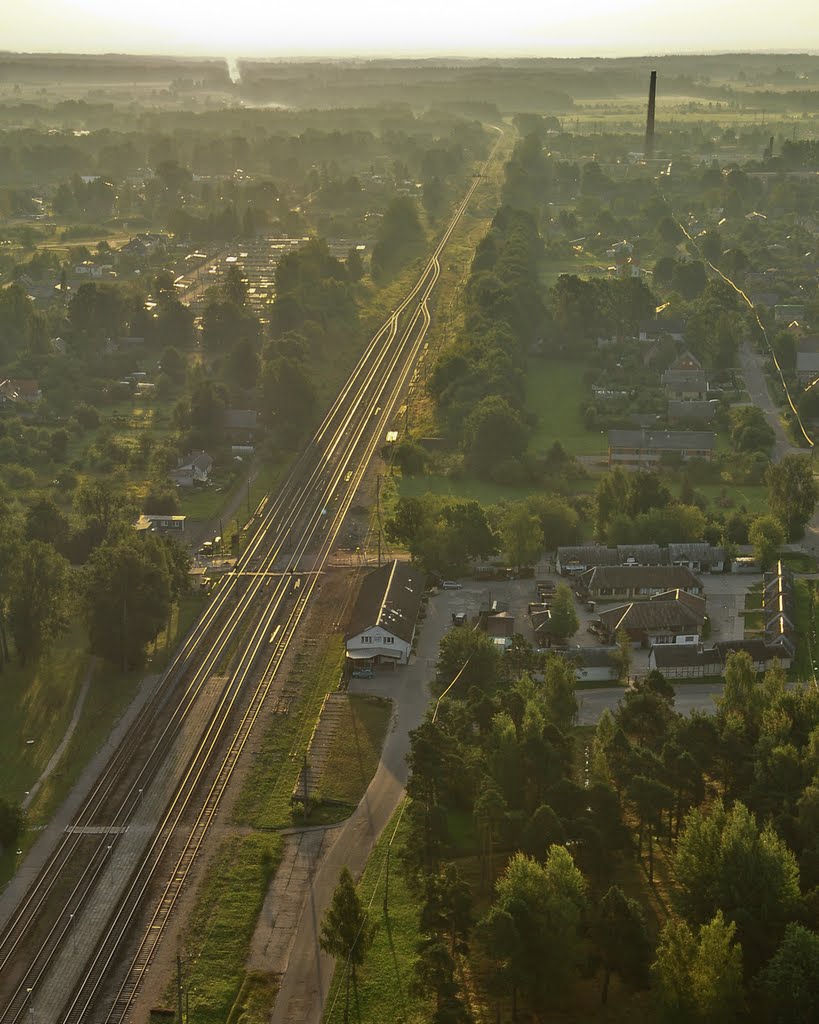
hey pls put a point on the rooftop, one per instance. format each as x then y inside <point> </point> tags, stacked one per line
<point>621,577</point>
<point>390,597</point>
<point>671,615</point>
<point>663,440</point>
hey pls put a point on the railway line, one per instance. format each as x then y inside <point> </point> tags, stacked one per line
<point>136,837</point>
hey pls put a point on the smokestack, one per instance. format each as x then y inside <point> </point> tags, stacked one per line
<point>652,97</point>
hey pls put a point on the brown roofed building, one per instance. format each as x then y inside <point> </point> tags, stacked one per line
<point>638,581</point>
<point>653,622</point>
<point>382,625</point>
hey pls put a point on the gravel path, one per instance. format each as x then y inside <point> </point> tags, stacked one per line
<point>56,757</point>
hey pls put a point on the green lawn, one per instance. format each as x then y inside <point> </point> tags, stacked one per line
<point>796,561</point>
<point>110,694</point>
<point>805,614</point>
<point>465,487</point>
<point>40,701</point>
<point>554,393</point>
<point>754,497</point>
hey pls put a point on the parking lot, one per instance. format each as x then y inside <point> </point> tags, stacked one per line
<point>724,592</point>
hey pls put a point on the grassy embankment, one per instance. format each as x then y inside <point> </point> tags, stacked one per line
<point>39,703</point>
<point>217,939</point>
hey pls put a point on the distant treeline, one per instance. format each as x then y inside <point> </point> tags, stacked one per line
<point>120,67</point>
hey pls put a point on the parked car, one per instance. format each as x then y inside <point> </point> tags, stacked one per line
<point>362,673</point>
<point>450,585</point>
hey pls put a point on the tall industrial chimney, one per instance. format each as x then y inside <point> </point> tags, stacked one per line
<point>652,97</point>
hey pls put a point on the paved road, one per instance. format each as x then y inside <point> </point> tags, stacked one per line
<point>688,697</point>
<point>753,370</point>
<point>757,387</point>
<point>308,974</point>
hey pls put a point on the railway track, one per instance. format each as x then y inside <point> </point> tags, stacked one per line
<point>83,904</point>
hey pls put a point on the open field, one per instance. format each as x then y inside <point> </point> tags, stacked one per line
<point>554,393</point>
<point>482,491</point>
<point>753,497</point>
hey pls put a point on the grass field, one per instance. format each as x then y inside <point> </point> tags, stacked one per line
<point>40,704</point>
<point>465,487</point>
<point>753,497</point>
<point>110,693</point>
<point>554,393</point>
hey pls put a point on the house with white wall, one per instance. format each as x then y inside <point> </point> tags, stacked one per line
<point>383,622</point>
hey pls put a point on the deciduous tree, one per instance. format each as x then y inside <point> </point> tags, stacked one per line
<point>522,536</point>
<point>790,979</point>
<point>38,598</point>
<point>792,493</point>
<point>564,621</point>
<point>699,978</point>
<point>725,862</point>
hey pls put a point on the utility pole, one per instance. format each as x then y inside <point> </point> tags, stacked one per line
<point>378,513</point>
<point>387,880</point>
<point>179,987</point>
<point>306,790</point>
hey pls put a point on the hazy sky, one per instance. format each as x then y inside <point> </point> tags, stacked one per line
<point>326,27</point>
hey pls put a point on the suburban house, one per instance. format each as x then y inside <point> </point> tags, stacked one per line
<point>241,425</point>
<point>787,313</point>
<point>160,524</point>
<point>193,469</point>
<point>647,447</point>
<point>653,622</point>
<point>685,379</point>
<point>684,661</point>
<point>778,606</point>
<point>500,624</point>
<point>541,625</point>
<point>807,367</point>
<point>626,582</point>
<point>382,625</point>
<point>594,664</point>
<point>763,654</point>
<point>19,391</point>
<point>668,327</point>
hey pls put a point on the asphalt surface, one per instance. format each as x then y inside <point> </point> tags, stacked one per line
<point>688,697</point>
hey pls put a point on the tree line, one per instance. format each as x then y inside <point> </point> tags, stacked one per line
<point>521,833</point>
